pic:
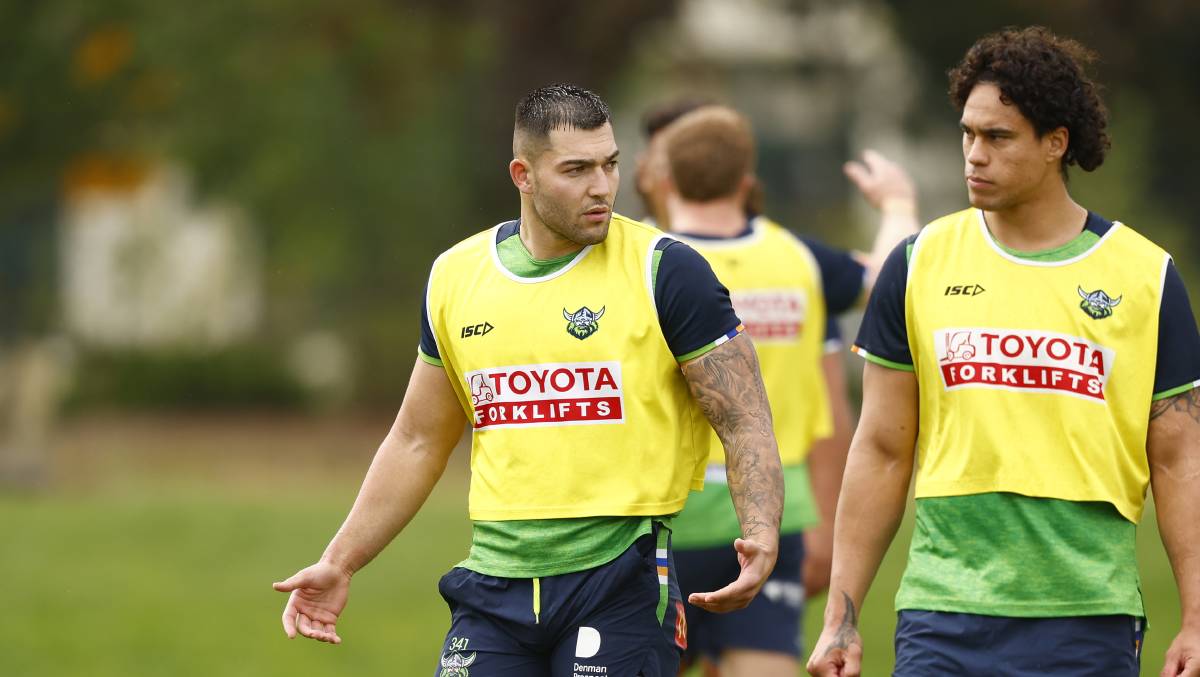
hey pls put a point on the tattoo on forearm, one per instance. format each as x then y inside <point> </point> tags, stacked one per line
<point>727,384</point>
<point>847,632</point>
<point>1187,403</point>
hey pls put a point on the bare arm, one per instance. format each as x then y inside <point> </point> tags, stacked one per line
<point>727,384</point>
<point>889,189</point>
<point>826,464</point>
<point>1173,448</point>
<point>404,471</point>
<point>871,505</point>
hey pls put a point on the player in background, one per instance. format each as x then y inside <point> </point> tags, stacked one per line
<point>846,281</point>
<point>1041,362</point>
<point>586,351</point>
<point>777,285</point>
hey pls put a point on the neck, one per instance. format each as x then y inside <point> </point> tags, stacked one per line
<point>1049,220</point>
<point>542,243</point>
<point>719,218</point>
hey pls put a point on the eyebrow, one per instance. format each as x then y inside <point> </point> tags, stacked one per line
<point>988,131</point>
<point>587,162</point>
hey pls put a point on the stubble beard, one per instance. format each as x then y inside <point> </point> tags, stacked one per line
<point>570,227</point>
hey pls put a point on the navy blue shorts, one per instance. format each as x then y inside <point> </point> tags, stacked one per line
<point>940,643</point>
<point>770,623</point>
<point>622,618</point>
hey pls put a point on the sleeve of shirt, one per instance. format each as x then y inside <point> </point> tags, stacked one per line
<point>883,336</point>
<point>833,335</point>
<point>694,309</point>
<point>427,350</point>
<point>841,276</point>
<point>1178,366</point>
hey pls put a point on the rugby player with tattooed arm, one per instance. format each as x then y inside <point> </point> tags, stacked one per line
<point>590,355</point>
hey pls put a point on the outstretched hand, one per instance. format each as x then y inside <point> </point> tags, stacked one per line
<point>881,181</point>
<point>756,560</point>
<point>318,595</point>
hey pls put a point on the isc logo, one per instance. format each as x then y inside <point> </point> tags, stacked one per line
<point>477,329</point>
<point>965,290</point>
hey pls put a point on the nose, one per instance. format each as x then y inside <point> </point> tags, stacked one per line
<point>975,152</point>
<point>598,185</point>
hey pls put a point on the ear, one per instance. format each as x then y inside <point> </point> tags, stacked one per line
<point>745,186</point>
<point>1056,142</point>
<point>522,175</point>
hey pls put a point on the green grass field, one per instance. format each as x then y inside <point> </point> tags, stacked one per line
<point>154,552</point>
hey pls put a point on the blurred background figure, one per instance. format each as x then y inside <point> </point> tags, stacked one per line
<point>787,290</point>
<point>216,226</point>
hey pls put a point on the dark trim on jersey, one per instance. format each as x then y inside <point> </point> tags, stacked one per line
<point>833,331</point>
<point>427,349</point>
<point>884,333</point>
<point>1097,224</point>
<point>1178,362</point>
<point>507,230</point>
<point>842,276</point>
<point>694,310</point>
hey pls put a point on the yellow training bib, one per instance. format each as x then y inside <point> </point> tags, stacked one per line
<point>1035,377</point>
<point>775,285</point>
<point>578,406</point>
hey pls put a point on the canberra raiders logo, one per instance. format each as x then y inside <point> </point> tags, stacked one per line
<point>1097,304</point>
<point>456,664</point>
<point>583,322</point>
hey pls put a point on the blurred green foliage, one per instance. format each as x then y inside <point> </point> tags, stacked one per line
<point>363,137</point>
<point>232,377</point>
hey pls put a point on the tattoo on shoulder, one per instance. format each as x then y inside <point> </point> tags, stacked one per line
<point>847,632</point>
<point>727,385</point>
<point>1187,403</point>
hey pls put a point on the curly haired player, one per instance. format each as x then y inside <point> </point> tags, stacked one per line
<point>1038,420</point>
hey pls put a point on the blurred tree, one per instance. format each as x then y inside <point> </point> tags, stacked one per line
<point>363,136</point>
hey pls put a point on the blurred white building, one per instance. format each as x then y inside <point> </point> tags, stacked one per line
<point>147,267</point>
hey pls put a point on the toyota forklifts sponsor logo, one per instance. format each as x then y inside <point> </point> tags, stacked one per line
<point>770,314</point>
<point>576,393</point>
<point>1020,359</point>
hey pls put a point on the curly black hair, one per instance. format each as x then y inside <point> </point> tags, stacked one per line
<point>1043,74</point>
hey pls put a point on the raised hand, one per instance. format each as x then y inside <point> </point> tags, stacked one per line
<point>882,182</point>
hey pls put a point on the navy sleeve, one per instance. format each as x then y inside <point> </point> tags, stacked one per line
<point>841,276</point>
<point>883,336</point>
<point>833,335</point>
<point>1178,366</point>
<point>428,350</point>
<point>694,309</point>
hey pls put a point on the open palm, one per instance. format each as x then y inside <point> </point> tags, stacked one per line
<point>318,595</point>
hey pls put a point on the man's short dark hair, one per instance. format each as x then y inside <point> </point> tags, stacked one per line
<point>664,114</point>
<point>1043,75</point>
<point>558,107</point>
